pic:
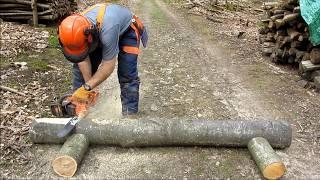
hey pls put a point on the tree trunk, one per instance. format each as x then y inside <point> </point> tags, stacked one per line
<point>166,132</point>
<point>70,155</point>
<point>266,158</point>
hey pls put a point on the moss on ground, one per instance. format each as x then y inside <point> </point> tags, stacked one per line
<point>38,65</point>
<point>53,41</point>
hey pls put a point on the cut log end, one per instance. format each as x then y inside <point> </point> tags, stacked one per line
<point>268,161</point>
<point>70,155</point>
<point>274,170</point>
<point>65,166</point>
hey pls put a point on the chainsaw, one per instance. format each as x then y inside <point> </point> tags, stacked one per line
<point>67,107</point>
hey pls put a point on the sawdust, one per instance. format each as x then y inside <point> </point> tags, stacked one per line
<point>108,105</point>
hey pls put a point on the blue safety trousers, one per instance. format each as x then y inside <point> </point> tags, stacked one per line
<point>127,71</point>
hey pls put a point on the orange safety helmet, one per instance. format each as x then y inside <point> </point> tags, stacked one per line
<point>77,37</point>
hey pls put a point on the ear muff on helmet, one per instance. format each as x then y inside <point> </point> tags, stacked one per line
<point>92,37</point>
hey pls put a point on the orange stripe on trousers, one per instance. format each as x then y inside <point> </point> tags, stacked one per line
<point>131,50</point>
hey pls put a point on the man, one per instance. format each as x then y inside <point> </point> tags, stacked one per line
<point>93,40</point>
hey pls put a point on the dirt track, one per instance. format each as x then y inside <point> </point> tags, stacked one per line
<point>188,71</point>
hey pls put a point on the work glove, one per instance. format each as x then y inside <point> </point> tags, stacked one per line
<point>81,95</point>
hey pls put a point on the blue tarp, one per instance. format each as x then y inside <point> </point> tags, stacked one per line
<point>310,11</point>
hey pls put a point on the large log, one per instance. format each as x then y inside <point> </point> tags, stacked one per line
<point>266,158</point>
<point>168,132</point>
<point>67,161</point>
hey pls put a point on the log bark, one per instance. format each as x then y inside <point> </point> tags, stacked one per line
<point>45,130</point>
<point>26,2</point>
<point>290,17</point>
<point>287,40</point>
<point>29,9</point>
<point>267,51</point>
<point>34,12</point>
<point>270,37</point>
<point>306,66</point>
<point>266,158</point>
<point>265,20</point>
<point>168,132</point>
<point>277,16</point>
<point>271,25</point>
<point>263,30</point>
<point>292,51</point>
<point>306,57</point>
<point>279,11</point>
<point>296,9</point>
<point>299,56</point>
<point>268,44</point>
<point>315,56</point>
<point>67,161</point>
<point>296,44</point>
<point>279,23</point>
<point>285,54</point>
<point>293,33</point>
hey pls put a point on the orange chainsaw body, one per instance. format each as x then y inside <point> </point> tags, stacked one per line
<point>67,106</point>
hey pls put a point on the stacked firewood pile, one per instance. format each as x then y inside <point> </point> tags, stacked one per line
<point>285,38</point>
<point>22,9</point>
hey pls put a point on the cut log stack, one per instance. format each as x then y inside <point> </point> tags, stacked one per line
<point>285,38</point>
<point>15,10</point>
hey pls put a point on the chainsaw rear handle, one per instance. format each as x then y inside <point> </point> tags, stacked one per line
<point>63,107</point>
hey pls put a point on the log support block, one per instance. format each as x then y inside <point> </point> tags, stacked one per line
<point>269,163</point>
<point>70,155</point>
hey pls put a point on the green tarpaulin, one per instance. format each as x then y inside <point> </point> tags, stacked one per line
<point>310,11</point>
